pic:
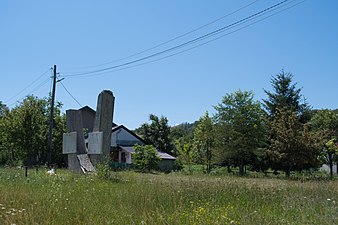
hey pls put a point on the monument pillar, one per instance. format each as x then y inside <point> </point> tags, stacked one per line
<point>103,123</point>
<point>74,125</point>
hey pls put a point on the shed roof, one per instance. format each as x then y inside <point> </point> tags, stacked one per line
<point>161,154</point>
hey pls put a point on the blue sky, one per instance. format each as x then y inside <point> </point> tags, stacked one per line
<point>35,35</point>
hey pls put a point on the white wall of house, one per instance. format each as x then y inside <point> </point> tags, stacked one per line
<point>326,168</point>
<point>128,158</point>
<point>123,137</point>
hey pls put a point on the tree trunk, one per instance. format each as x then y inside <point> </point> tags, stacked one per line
<point>229,168</point>
<point>288,171</point>
<point>241,167</point>
<point>331,166</point>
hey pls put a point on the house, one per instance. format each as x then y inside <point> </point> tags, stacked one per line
<point>122,142</point>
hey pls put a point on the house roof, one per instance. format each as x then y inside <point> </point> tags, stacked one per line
<point>161,154</point>
<point>117,127</point>
<point>88,109</point>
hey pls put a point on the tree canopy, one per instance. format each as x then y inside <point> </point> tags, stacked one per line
<point>285,96</point>
<point>241,128</point>
<point>204,141</point>
<point>293,146</point>
<point>145,157</point>
<point>157,133</point>
<point>25,131</point>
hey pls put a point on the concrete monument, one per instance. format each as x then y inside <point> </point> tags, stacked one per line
<point>81,159</point>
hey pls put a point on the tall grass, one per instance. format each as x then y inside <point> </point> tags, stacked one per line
<point>137,198</point>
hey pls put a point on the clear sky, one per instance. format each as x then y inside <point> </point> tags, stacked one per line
<point>37,34</point>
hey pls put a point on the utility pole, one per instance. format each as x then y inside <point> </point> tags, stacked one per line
<point>51,123</point>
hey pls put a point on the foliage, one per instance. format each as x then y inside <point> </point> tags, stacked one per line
<point>182,134</point>
<point>24,130</point>
<point>104,172</point>
<point>157,133</point>
<point>3,109</point>
<point>4,154</point>
<point>145,157</point>
<point>240,128</point>
<point>330,153</point>
<point>293,146</point>
<point>204,141</point>
<point>186,153</point>
<point>286,96</point>
<point>325,122</point>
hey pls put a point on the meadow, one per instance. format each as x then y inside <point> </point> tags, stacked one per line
<point>135,198</point>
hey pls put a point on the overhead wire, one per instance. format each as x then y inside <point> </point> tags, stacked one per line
<point>204,43</point>
<point>170,40</point>
<point>200,38</point>
<point>31,92</point>
<point>71,94</point>
<point>38,78</point>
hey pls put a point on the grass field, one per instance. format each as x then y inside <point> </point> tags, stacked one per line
<point>137,198</point>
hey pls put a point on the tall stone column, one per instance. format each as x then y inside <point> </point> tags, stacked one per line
<point>74,124</point>
<point>103,123</point>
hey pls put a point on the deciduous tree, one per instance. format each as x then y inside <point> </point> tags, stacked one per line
<point>293,146</point>
<point>240,128</point>
<point>157,133</point>
<point>204,141</point>
<point>25,128</point>
<point>145,157</point>
<point>325,122</point>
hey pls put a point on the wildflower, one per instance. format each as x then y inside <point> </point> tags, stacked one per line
<point>3,208</point>
<point>328,199</point>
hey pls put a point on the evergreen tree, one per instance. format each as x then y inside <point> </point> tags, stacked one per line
<point>285,96</point>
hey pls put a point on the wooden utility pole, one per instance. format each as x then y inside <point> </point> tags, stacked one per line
<point>51,122</point>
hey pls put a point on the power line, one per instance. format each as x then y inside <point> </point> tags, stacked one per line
<point>173,39</point>
<point>200,38</point>
<point>204,43</point>
<point>28,85</point>
<point>71,94</point>
<point>35,89</point>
